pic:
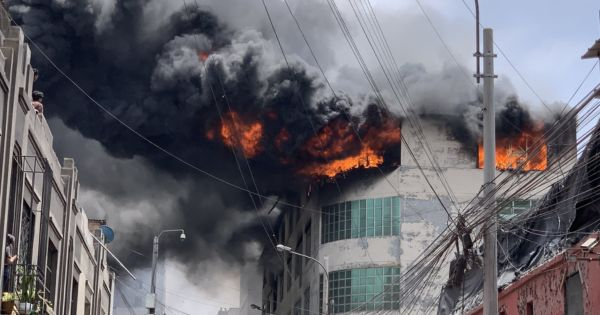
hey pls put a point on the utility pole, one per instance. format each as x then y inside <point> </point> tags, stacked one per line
<point>326,286</point>
<point>151,298</point>
<point>490,259</point>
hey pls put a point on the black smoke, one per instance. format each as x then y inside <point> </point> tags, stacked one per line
<point>169,78</point>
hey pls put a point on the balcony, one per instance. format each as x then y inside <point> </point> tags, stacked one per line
<point>25,292</point>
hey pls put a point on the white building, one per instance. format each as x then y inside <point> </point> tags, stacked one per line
<point>371,226</point>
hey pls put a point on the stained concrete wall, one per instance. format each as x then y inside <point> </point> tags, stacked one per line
<point>544,287</point>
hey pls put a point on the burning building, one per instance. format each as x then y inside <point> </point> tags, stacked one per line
<point>371,221</point>
<point>546,257</point>
<point>200,87</point>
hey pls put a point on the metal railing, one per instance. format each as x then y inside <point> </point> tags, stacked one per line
<point>25,288</point>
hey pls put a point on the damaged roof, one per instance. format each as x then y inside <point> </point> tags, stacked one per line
<point>568,213</point>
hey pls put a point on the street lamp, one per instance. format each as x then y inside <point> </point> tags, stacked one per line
<point>151,298</point>
<point>282,248</point>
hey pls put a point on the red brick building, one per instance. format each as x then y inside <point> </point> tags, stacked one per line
<point>569,283</point>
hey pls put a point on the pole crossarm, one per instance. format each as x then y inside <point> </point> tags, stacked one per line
<point>169,231</point>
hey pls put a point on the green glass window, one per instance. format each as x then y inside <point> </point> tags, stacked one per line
<point>361,218</point>
<point>514,207</point>
<point>366,289</point>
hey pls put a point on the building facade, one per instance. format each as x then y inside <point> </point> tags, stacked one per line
<point>369,226</point>
<point>60,268</point>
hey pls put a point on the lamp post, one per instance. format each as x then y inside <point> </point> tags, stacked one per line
<point>151,297</point>
<point>326,310</point>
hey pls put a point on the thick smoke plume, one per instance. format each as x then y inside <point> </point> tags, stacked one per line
<point>200,89</point>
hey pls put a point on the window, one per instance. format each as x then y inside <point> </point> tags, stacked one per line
<point>306,310</point>
<point>573,295</point>
<point>361,218</point>
<point>296,213</point>
<point>282,232</point>
<point>276,294</point>
<point>74,294</point>
<point>515,207</point>
<point>298,261</point>
<point>298,308</point>
<point>27,234</point>
<point>365,289</point>
<point>320,293</point>
<point>308,242</point>
<point>279,288</point>
<point>529,310</point>
<point>51,271</point>
<point>288,273</point>
<point>87,310</point>
<point>290,224</point>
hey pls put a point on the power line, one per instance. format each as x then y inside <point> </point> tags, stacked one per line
<point>127,304</point>
<point>399,90</point>
<point>350,40</point>
<point>144,138</point>
<point>579,86</point>
<point>510,63</point>
<point>316,60</point>
<point>423,269</point>
<point>439,36</point>
<point>272,234</point>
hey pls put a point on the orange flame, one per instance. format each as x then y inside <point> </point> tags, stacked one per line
<point>337,148</point>
<point>236,132</point>
<point>366,158</point>
<point>524,149</point>
<point>203,55</point>
<point>282,138</point>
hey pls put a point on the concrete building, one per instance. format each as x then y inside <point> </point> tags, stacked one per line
<point>61,269</point>
<point>371,225</point>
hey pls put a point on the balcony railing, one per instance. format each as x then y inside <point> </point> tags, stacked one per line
<point>26,291</point>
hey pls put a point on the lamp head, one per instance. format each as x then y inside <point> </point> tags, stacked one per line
<point>255,307</point>
<point>283,248</point>
<point>182,236</point>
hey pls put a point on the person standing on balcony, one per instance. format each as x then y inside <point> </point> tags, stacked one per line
<point>37,103</point>
<point>9,260</point>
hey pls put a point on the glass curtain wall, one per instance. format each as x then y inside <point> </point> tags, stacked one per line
<point>361,218</point>
<point>364,289</point>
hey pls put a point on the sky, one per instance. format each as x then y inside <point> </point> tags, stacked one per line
<point>543,39</point>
